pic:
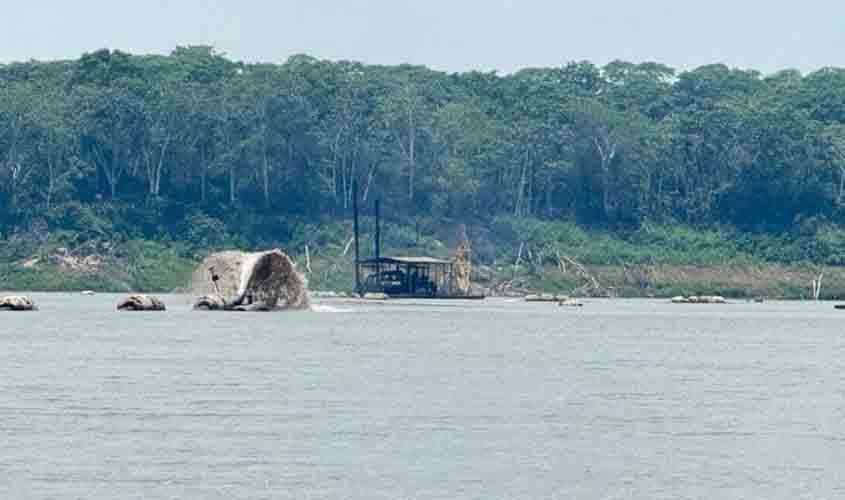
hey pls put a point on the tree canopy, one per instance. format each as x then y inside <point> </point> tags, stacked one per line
<point>159,139</point>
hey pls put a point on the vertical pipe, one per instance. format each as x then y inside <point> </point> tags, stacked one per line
<point>355,229</point>
<point>378,239</point>
<point>378,230</point>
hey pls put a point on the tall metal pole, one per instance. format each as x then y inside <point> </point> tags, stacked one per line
<point>378,230</point>
<point>355,229</point>
<point>378,240</point>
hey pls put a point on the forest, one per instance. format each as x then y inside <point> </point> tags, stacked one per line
<point>611,146</point>
<point>154,147</point>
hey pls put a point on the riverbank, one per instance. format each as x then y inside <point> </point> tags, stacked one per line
<point>510,257</point>
<point>165,270</point>
<point>102,266</point>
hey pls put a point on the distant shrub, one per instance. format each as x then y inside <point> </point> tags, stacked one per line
<point>80,218</point>
<point>205,232</point>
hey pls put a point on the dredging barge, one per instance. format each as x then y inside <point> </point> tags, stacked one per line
<point>411,277</point>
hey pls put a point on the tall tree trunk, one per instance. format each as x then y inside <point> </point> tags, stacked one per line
<point>289,167</point>
<point>232,183</point>
<point>370,177</point>
<point>112,178</point>
<point>204,174</point>
<point>841,184</point>
<point>114,163</point>
<point>11,166</point>
<point>412,166</point>
<point>519,205</point>
<point>51,177</point>
<point>344,181</point>
<point>265,177</point>
<point>160,166</point>
<point>607,152</point>
<point>337,178</point>
<point>530,205</point>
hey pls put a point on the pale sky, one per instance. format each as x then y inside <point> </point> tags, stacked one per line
<point>503,35</point>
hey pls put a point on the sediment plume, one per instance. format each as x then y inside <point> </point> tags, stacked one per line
<point>259,281</point>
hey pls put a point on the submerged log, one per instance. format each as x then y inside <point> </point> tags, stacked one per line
<point>17,303</point>
<point>139,302</point>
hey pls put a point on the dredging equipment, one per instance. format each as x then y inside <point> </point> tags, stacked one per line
<point>250,281</point>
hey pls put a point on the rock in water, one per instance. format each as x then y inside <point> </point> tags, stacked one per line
<point>376,296</point>
<point>139,302</point>
<point>250,281</point>
<point>17,303</point>
<point>545,297</point>
<point>570,302</point>
<point>699,299</point>
<point>210,303</point>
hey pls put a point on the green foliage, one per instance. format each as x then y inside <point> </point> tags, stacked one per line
<point>157,139</point>
<point>81,219</point>
<point>329,235</point>
<point>51,279</point>
<point>626,164</point>
<point>205,232</point>
<point>666,244</point>
<point>153,266</point>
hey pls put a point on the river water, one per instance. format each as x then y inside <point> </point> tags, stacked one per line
<point>487,400</point>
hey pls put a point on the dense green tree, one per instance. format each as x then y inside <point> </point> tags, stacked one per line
<point>158,140</point>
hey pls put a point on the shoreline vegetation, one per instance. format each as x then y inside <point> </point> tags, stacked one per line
<point>122,172</point>
<point>516,257</point>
